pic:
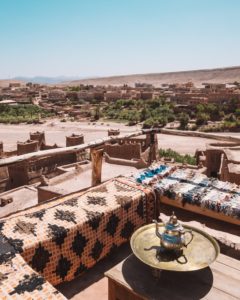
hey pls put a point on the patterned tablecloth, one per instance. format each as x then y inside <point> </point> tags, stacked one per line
<point>64,240</point>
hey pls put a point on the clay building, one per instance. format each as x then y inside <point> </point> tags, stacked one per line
<point>146,95</point>
<point>85,95</point>
<point>112,96</point>
<point>40,137</point>
<point>25,173</point>
<point>55,95</point>
<point>135,152</point>
<point>14,84</point>
<point>221,160</point>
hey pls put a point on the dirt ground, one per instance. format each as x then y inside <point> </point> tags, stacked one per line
<point>56,132</point>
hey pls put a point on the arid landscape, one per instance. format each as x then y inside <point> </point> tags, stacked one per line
<point>95,160</point>
<point>120,150</point>
<point>220,75</point>
<point>56,132</point>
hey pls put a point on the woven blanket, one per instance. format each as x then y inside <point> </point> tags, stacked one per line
<point>19,281</point>
<point>63,241</point>
<point>192,187</point>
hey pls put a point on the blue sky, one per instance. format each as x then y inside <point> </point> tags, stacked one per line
<point>112,37</point>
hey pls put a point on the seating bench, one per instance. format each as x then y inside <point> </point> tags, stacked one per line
<point>62,241</point>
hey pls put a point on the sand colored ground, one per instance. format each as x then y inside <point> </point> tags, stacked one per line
<point>57,131</point>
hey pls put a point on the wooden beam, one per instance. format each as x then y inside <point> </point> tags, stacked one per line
<point>96,157</point>
<point>153,151</point>
<point>72,149</point>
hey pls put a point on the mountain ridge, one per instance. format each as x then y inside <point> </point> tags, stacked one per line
<point>216,75</point>
<point>47,79</point>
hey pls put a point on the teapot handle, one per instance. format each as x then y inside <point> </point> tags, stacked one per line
<point>156,229</point>
<point>189,232</point>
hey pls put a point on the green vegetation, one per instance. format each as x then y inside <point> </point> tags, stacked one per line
<point>151,112</point>
<point>188,159</point>
<point>157,113</point>
<point>97,113</point>
<point>183,119</point>
<point>28,113</point>
<point>228,114</point>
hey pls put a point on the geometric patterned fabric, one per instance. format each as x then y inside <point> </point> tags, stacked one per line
<point>64,240</point>
<point>19,281</point>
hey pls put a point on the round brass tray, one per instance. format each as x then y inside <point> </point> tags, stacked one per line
<point>200,253</point>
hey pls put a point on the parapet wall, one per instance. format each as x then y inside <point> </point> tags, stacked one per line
<point>38,136</point>
<point>200,134</point>
<point>18,175</point>
<point>113,132</point>
<point>27,147</point>
<point>1,148</point>
<point>213,162</point>
<point>74,140</point>
<point>133,141</point>
<point>124,151</point>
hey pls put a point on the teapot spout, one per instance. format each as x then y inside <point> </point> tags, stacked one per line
<point>158,234</point>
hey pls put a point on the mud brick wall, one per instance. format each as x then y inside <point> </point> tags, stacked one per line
<point>81,155</point>
<point>49,163</point>
<point>113,132</point>
<point>224,172</point>
<point>45,194</point>
<point>125,151</point>
<point>74,140</point>
<point>234,177</point>
<point>27,147</point>
<point>18,174</point>
<point>3,173</point>
<point>63,241</point>
<point>1,149</point>
<point>38,136</point>
<point>142,142</point>
<point>30,172</point>
<point>4,179</point>
<point>213,162</point>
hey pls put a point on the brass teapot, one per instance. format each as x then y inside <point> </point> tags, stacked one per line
<point>173,237</point>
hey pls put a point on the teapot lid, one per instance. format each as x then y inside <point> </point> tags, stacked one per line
<point>173,223</point>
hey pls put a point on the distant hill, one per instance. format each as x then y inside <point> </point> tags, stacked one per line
<point>220,75</point>
<point>46,80</point>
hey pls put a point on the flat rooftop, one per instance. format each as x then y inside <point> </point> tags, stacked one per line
<point>76,180</point>
<point>23,197</point>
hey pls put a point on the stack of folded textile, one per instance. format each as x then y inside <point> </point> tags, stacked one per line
<point>154,173</point>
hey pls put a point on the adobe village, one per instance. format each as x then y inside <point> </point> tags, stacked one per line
<point>84,167</point>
